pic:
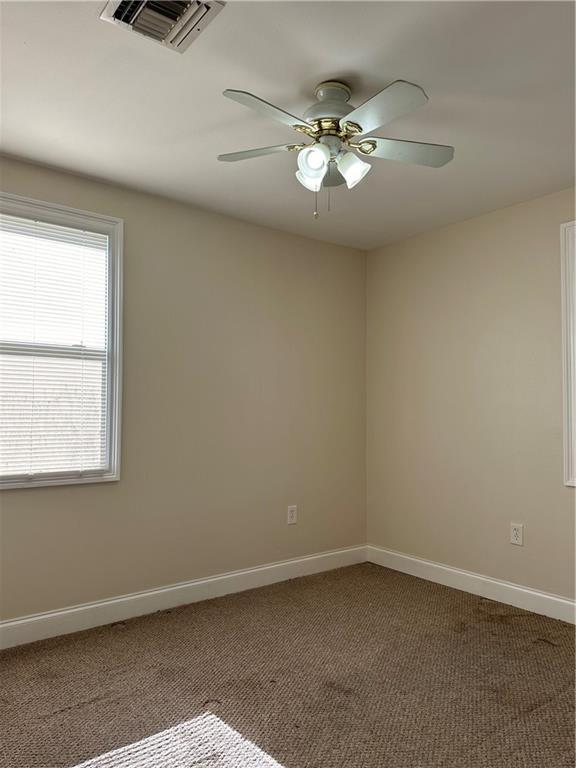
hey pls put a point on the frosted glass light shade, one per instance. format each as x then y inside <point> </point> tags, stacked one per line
<point>352,168</point>
<point>313,185</point>
<point>313,161</point>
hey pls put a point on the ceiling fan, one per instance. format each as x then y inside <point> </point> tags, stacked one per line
<point>340,132</point>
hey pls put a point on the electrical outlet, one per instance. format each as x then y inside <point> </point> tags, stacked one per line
<point>517,534</point>
<point>292,516</point>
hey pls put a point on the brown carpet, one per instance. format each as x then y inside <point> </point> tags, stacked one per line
<point>361,667</point>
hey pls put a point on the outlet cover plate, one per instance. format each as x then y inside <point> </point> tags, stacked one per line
<point>517,534</point>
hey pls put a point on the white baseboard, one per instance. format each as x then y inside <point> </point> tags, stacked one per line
<point>52,623</point>
<point>555,606</point>
<point>39,626</point>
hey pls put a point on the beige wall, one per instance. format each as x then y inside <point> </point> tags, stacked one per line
<point>244,391</point>
<point>464,396</point>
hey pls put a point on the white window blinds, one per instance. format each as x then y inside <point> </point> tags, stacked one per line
<point>58,362</point>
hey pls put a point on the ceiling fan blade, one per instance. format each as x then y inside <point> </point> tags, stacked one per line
<point>416,152</point>
<point>399,98</point>
<point>264,108</point>
<point>232,157</point>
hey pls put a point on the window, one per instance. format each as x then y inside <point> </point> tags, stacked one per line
<point>569,348</point>
<point>60,337</point>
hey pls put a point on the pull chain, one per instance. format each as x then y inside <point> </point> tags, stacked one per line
<point>316,214</point>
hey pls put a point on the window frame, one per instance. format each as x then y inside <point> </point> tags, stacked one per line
<point>24,207</point>
<point>568,251</point>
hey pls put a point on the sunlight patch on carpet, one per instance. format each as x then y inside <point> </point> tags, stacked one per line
<point>203,742</point>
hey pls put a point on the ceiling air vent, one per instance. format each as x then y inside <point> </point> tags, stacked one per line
<point>174,23</point>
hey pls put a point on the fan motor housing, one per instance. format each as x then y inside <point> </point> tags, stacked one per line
<point>333,98</point>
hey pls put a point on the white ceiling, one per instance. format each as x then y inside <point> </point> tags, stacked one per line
<point>86,96</point>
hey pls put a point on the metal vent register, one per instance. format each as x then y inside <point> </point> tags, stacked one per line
<point>173,23</point>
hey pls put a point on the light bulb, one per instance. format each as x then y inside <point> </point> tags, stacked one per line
<point>313,161</point>
<point>352,168</point>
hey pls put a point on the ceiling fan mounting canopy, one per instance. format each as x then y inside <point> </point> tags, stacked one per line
<point>338,130</point>
<point>335,89</point>
<point>332,102</point>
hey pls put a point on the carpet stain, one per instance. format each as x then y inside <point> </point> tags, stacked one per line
<point>547,641</point>
<point>211,703</point>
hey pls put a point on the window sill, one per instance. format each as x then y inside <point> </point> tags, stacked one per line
<point>43,482</point>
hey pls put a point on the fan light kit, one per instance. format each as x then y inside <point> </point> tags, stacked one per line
<point>339,133</point>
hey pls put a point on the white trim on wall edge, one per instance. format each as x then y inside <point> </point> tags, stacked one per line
<point>568,248</point>
<point>40,626</point>
<point>555,606</point>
